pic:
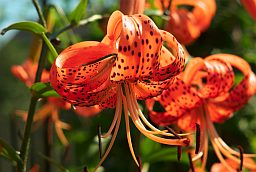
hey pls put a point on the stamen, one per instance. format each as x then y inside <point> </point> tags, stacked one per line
<point>191,162</point>
<point>100,143</point>
<point>128,134</point>
<point>220,157</point>
<point>241,150</point>
<point>141,115</point>
<point>143,130</point>
<point>85,169</point>
<point>219,148</point>
<point>197,138</point>
<point>173,132</point>
<point>227,153</point>
<point>119,99</point>
<point>117,113</point>
<point>140,164</point>
<point>179,150</point>
<point>205,154</point>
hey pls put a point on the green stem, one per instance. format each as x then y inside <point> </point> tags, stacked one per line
<point>56,34</point>
<point>32,107</point>
<point>49,45</point>
<point>39,12</point>
<point>26,140</point>
<point>41,63</point>
<point>81,23</point>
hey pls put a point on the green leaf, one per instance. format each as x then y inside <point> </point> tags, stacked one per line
<point>42,90</point>
<point>33,27</point>
<point>78,13</point>
<point>50,58</point>
<point>8,151</point>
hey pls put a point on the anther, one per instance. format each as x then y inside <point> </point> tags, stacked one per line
<point>100,143</point>
<point>140,164</point>
<point>173,132</point>
<point>198,133</point>
<point>241,150</point>
<point>85,169</point>
<point>179,151</point>
<point>191,162</point>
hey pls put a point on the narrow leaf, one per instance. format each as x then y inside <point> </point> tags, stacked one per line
<point>42,90</point>
<point>78,13</point>
<point>8,151</point>
<point>29,26</point>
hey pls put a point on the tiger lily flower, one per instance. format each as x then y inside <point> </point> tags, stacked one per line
<point>218,167</point>
<point>250,6</point>
<point>203,94</point>
<point>187,25</point>
<point>130,63</point>
<point>26,73</point>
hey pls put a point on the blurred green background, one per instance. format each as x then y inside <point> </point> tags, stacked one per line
<point>232,31</point>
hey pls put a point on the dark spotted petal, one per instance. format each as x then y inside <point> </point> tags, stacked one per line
<point>148,89</point>
<point>80,73</point>
<point>178,99</point>
<point>237,96</point>
<point>138,41</point>
<point>171,61</point>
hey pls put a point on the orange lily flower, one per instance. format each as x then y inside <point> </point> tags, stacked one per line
<point>188,25</point>
<point>87,111</point>
<point>250,6</point>
<point>218,167</point>
<point>203,94</point>
<point>26,73</point>
<point>130,63</point>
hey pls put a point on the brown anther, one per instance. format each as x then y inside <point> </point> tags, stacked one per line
<point>198,133</point>
<point>85,169</point>
<point>100,143</point>
<point>191,162</point>
<point>179,151</point>
<point>140,164</point>
<point>173,132</point>
<point>241,150</point>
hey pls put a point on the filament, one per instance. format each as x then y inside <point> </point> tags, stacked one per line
<point>135,118</point>
<point>144,119</point>
<point>128,134</point>
<point>117,113</point>
<point>219,147</point>
<point>119,101</point>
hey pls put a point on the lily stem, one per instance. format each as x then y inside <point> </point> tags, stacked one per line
<point>26,140</point>
<point>32,107</point>
<point>39,12</point>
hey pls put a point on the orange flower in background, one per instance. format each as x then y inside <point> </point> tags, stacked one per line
<point>188,18</point>
<point>26,73</point>
<point>87,111</point>
<point>250,6</point>
<point>130,63</point>
<point>218,167</point>
<point>203,94</point>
